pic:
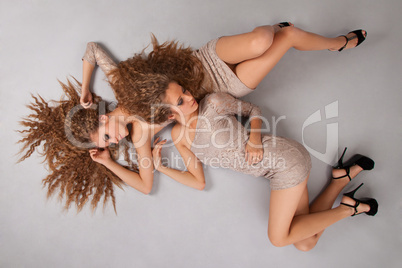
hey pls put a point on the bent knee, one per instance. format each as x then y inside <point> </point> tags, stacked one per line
<point>289,32</point>
<point>261,40</point>
<point>277,241</point>
<point>305,246</point>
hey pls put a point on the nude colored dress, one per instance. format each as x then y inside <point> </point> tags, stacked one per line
<point>220,141</point>
<point>218,74</point>
<point>95,55</point>
<point>286,163</point>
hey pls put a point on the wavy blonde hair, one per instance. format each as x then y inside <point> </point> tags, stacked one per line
<point>140,82</point>
<point>65,139</point>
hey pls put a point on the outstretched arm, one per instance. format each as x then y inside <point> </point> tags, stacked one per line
<point>94,54</point>
<point>193,177</point>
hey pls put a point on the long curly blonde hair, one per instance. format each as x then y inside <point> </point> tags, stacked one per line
<point>65,139</point>
<point>140,82</point>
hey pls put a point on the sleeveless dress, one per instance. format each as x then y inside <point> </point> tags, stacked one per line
<point>220,141</point>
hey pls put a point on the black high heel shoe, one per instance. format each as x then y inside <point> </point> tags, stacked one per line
<point>362,161</point>
<point>283,24</point>
<point>368,201</point>
<point>358,34</point>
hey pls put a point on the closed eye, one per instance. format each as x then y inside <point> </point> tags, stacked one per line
<point>180,101</point>
<point>106,137</point>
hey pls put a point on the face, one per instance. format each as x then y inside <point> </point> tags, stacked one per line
<point>181,100</point>
<point>111,130</point>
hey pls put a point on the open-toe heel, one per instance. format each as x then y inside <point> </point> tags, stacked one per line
<point>362,161</point>
<point>358,34</point>
<point>368,201</point>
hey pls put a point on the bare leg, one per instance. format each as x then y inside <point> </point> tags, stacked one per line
<point>324,202</point>
<point>257,52</point>
<point>284,228</point>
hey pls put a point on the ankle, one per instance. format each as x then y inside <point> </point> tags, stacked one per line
<point>340,172</point>
<point>354,206</point>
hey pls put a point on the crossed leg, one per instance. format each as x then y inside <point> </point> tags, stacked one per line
<point>285,227</point>
<point>254,54</point>
<point>305,226</point>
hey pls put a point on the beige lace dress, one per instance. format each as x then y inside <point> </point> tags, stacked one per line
<point>220,141</point>
<point>218,74</point>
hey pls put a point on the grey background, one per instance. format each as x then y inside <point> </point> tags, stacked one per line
<point>225,225</point>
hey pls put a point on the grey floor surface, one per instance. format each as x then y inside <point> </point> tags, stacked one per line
<point>225,225</point>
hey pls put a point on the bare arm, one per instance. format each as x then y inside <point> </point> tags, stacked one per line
<point>86,96</point>
<point>144,155</point>
<point>129,177</point>
<point>193,177</point>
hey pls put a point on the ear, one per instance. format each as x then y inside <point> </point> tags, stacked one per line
<point>103,118</point>
<point>171,116</point>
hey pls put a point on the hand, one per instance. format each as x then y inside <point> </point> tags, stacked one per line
<point>156,153</point>
<point>254,152</point>
<point>86,98</point>
<point>101,157</point>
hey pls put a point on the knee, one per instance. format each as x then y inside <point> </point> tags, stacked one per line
<point>306,245</point>
<point>261,40</point>
<point>289,32</point>
<point>276,240</point>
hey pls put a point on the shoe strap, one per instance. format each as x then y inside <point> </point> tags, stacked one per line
<point>347,169</point>
<point>347,41</point>
<point>355,206</point>
<point>359,35</point>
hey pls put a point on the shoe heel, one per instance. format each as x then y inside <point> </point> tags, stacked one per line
<point>369,201</point>
<point>351,194</point>
<point>340,161</point>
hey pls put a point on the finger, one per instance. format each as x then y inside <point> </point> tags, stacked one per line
<point>250,159</point>
<point>162,142</point>
<point>157,148</point>
<point>157,152</point>
<point>156,140</point>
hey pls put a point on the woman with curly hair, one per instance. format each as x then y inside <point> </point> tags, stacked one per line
<point>209,133</point>
<point>230,64</point>
<point>66,131</point>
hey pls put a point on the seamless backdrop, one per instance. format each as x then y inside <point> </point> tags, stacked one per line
<point>225,225</point>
